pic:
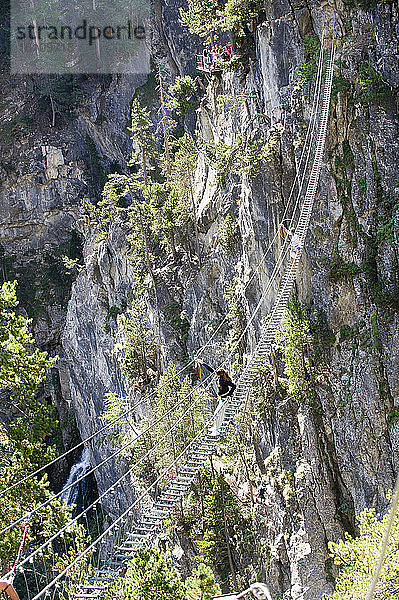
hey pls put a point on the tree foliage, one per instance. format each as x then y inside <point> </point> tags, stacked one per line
<point>374,88</point>
<point>296,339</point>
<point>124,431</point>
<point>171,391</point>
<point>308,69</point>
<point>201,584</point>
<point>182,96</point>
<point>203,17</point>
<point>225,526</point>
<point>356,558</point>
<point>58,95</point>
<point>141,128</point>
<point>21,370</point>
<point>23,437</point>
<point>171,218</point>
<point>140,346</point>
<point>183,167</point>
<point>158,207</point>
<point>240,158</point>
<point>305,339</point>
<point>149,576</point>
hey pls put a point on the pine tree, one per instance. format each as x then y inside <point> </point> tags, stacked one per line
<point>140,347</point>
<point>182,96</point>
<point>201,585</point>
<point>356,557</point>
<point>143,137</point>
<point>23,448</point>
<point>149,576</point>
<point>171,391</point>
<point>224,527</point>
<point>183,170</point>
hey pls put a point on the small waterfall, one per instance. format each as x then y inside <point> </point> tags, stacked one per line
<point>77,493</point>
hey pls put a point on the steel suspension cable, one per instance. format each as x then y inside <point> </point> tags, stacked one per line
<point>286,244</point>
<point>101,537</point>
<point>110,488</point>
<point>200,351</point>
<point>120,450</point>
<point>125,513</point>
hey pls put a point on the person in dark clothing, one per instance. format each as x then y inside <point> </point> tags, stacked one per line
<point>207,57</point>
<point>225,385</point>
<point>262,495</point>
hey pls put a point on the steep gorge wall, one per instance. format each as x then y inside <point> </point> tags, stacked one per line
<point>49,163</point>
<point>337,455</point>
<point>321,462</point>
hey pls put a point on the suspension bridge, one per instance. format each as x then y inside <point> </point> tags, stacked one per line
<point>91,571</point>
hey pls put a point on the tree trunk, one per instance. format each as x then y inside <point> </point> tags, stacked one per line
<point>149,268</point>
<point>201,492</point>
<point>165,129</point>
<point>173,245</point>
<point>212,467</point>
<point>245,464</point>
<point>98,50</point>
<point>52,111</point>
<point>275,373</point>
<point>36,30</point>
<point>226,535</point>
<point>143,160</point>
<point>194,217</point>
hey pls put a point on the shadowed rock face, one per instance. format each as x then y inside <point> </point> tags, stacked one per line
<point>45,172</point>
<point>321,461</point>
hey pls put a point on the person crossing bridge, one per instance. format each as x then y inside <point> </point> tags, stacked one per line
<point>226,389</point>
<point>225,385</point>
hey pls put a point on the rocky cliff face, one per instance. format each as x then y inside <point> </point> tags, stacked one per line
<point>54,161</point>
<point>336,453</point>
<point>321,458</point>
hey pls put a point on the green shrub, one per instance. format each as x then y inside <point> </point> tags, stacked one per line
<point>205,16</point>
<point>308,69</point>
<point>22,443</point>
<point>182,96</point>
<point>140,346</point>
<point>237,159</point>
<point>373,86</point>
<point>149,576</point>
<point>363,4</point>
<point>340,85</point>
<point>227,234</point>
<point>341,270</point>
<point>356,557</point>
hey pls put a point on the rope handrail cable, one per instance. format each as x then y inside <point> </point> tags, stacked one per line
<point>100,464</point>
<point>158,420</point>
<point>110,488</point>
<point>201,350</point>
<point>126,512</point>
<point>123,448</point>
<point>384,542</point>
<point>246,378</point>
<point>286,242</point>
<point>286,280</point>
<point>291,271</point>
